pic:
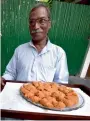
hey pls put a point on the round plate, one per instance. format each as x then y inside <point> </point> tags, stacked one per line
<point>79,105</point>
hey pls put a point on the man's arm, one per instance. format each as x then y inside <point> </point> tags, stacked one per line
<point>61,74</point>
<point>10,72</point>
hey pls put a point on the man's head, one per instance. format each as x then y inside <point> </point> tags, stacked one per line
<point>39,22</point>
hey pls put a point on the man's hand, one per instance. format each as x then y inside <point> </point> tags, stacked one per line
<point>2,81</point>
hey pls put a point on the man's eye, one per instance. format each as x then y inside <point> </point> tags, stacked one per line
<point>31,22</point>
<point>42,21</point>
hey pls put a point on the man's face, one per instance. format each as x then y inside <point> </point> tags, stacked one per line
<point>39,24</point>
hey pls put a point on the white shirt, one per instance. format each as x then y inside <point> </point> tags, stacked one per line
<point>29,65</point>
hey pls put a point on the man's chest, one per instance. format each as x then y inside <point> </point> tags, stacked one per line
<point>29,60</point>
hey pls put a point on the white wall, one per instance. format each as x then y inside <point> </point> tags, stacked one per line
<point>86,63</point>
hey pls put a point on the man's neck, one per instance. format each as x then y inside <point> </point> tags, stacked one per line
<point>40,45</point>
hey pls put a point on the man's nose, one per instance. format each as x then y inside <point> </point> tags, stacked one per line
<point>36,25</point>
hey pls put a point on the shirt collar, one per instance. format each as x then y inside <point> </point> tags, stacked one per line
<point>48,46</point>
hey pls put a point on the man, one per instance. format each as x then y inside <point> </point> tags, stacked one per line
<point>38,59</point>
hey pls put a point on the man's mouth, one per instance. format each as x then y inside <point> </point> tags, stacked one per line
<point>35,31</point>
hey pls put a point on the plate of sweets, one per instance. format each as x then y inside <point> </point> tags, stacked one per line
<point>52,96</point>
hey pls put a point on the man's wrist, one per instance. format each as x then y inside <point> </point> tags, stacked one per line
<point>2,78</point>
<point>2,81</point>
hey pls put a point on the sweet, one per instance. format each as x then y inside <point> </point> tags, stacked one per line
<point>50,94</point>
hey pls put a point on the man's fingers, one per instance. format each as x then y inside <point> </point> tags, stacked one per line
<point>2,83</point>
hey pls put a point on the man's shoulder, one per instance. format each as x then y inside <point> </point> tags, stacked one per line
<point>23,46</point>
<point>58,48</point>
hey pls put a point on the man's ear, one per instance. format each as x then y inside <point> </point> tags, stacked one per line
<point>49,25</point>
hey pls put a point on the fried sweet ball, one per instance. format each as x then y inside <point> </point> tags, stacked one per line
<point>54,102</point>
<point>71,94</point>
<point>61,88</point>
<point>60,97</point>
<point>33,90</point>
<point>47,85</point>
<point>48,88</point>
<point>28,95</point>
<point>40,94</point>
<point>24,91</point>
<point>46,103</point>
<point>49,105</point>
<point>46,93</point>
<point>28,86</point>
<point>43,101</point>
<point>35,83</point>
<point>40,83</point>
<point>41,88</point>
<point>35,99</point>
<point>73,98</point>
<point>55,94</point>
<point>60,105</point>
<point>68,102</point>
<point>54,85</point>
<point>49,98</point>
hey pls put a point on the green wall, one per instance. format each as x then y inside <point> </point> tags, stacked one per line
<point>70,29</point>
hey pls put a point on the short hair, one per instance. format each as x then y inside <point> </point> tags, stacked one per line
<point>41,5</point>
